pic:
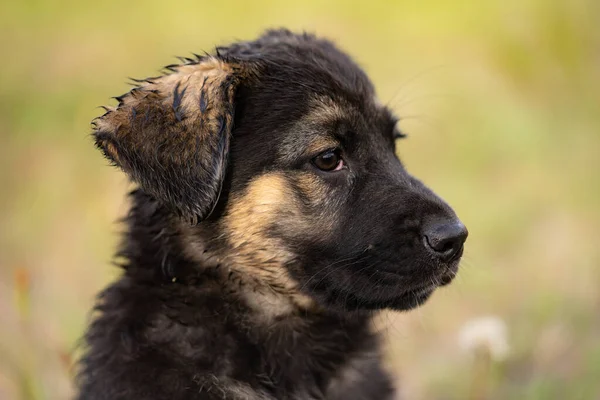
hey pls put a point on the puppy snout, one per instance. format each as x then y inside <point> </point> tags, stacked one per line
<point>445,239</point>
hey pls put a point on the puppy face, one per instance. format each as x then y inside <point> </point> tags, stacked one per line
<point>282,153</point>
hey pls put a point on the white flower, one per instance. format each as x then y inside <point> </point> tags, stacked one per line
<point>485,334</point>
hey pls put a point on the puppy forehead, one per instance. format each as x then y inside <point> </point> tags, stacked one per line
<point>313,62</point>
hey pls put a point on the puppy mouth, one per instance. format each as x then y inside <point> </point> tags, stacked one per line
<point>440,276</point>
<point>389,283</point>
<point>412,298</point>
<point>407,292</point>
<point>418,294</point>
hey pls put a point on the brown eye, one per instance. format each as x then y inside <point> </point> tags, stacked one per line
<point>329,160</point>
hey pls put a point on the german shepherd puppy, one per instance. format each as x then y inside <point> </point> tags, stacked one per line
<point>272,217</point>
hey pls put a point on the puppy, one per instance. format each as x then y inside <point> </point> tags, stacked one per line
<point>272,216</point>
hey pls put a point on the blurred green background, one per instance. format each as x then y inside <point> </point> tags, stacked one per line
<point>501,101</point>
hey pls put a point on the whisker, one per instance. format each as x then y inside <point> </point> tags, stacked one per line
<point>337,268</point>
<point>410,80</point>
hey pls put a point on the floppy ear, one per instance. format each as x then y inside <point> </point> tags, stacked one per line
<point>171,134</point>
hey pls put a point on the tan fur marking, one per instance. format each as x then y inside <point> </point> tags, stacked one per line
<point>180,121</point>
<point>325,110</point>
<point>250,216</point>
<point>323,202</point>
<point>255,254</point>
<point>110,149</point>
<point>308,132</point>
<point>191,77</point>
<point>314,188</point>
<point>321,144</point>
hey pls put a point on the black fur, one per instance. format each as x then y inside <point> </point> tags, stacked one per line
<point>200,313</point>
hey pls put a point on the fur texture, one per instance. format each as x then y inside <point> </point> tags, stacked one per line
<point>251,269</point>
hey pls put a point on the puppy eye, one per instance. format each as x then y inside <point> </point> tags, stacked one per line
<point>329,160</point>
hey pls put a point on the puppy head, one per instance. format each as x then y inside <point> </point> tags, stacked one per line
<point>283,140</point>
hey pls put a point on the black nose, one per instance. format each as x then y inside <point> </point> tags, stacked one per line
<point>445,239</point>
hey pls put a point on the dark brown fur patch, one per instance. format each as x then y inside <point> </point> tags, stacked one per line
<point>178,126</point>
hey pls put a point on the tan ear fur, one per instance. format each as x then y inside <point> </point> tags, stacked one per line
<point>171,133</point>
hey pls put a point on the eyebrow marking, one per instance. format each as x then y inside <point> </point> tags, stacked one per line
<point>325,110</point>
<point>320,144</point>
<point>310,134</point>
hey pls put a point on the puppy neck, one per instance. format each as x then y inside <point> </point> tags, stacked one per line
<point>267,290</point>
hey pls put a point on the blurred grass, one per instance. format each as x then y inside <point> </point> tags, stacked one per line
<point>501,100</point>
